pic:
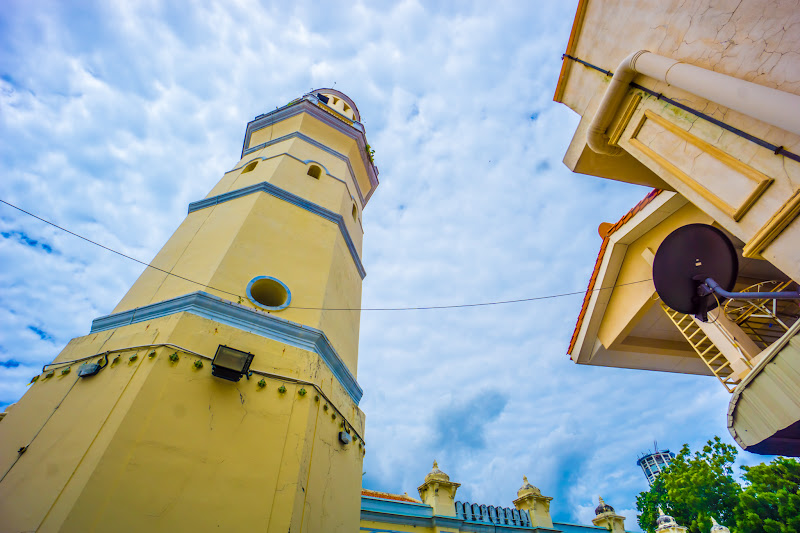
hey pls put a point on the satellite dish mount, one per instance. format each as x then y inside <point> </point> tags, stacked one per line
<point>695,269</point>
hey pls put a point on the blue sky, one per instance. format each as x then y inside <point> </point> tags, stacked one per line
<point>114,116</point>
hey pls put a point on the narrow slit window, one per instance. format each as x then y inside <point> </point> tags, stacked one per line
<point>355,213</point>
<point>250,167</point>
<point>314,171</point>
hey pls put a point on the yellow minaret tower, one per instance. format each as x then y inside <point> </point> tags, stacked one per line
<point>221,393</point>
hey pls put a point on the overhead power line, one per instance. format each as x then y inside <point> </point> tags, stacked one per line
<point>412,308</point>
<point>114,251</point>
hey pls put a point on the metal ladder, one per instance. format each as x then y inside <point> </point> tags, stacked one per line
<point>708,352</point>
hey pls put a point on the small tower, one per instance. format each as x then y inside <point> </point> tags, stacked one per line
<point>530,499</point>
<point>607,518</point>
<point>667,524</point>
<point>220,393</point>
<point>718,528</point>
<point>439,492</point>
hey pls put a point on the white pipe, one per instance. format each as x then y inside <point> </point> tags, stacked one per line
<point>772,106</point>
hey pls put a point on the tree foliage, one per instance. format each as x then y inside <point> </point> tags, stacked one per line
<point>695,488</point>
<point>771,501</point>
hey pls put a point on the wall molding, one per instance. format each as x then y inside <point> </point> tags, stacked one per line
<point>293,199</point>
<point>762,181</point>
<point>627,115</point>
<point>774,226</point>
<point>212,307</point>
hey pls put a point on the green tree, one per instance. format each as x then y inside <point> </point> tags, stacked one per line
<point>650,501</point>
<point>693,489</point>
<point>770,503</point>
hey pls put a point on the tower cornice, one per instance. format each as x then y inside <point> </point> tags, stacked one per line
<point>212,307</point>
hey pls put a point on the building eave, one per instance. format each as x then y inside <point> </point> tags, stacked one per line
<point>601,270</point>
<point>577,25</point>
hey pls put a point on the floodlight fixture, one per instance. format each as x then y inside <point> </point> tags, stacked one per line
<point>230,364</point>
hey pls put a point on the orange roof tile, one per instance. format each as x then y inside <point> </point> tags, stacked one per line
<point>388,496</point>
<point>638,207</point>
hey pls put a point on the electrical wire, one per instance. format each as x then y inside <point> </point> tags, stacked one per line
<point>114,251</point>
<point>412,308</point>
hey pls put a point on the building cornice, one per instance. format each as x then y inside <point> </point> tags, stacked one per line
<point>293,199</point>
<point>244,318</point>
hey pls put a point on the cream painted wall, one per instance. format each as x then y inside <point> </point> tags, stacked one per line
<point>713,168</point>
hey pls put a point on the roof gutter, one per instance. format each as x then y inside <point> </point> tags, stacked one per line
<point>768,105</point>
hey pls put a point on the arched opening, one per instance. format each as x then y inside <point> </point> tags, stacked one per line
<point>269,293</point>
<point>314,171</point>
<point>249,167</point>
<point>355,213</point>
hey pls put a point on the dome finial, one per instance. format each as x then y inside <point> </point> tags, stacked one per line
<point>527,488</point>
<point>665,521</point>
<point>603,507</point>
<point>437,474</point>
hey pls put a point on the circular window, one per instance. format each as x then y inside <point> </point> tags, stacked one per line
<point>269,293</point>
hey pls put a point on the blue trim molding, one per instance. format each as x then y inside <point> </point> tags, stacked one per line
<point>284,305</point>
<point>292,199</point>
<point>305,162</point>
<point>316,144</point>
<point>420,514</point>
<point>238,316</point>
<point>309,104</point>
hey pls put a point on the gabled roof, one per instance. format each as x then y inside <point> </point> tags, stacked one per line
<point>638,207</point>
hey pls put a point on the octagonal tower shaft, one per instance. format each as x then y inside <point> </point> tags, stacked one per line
<point>269,263</point>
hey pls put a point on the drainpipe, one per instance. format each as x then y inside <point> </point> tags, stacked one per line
<point>772,106</point>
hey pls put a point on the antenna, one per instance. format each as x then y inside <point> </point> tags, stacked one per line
<point>696,262</point>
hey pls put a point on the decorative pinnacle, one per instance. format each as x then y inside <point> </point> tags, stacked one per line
<point>434,464</point>
<point>601,500</point>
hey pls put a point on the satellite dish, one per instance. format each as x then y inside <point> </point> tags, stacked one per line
<point>686,259</point>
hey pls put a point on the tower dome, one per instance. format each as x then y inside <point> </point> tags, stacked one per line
<point>339,102</point>
<point>436,475</point>
<point>718,528</point>
<point>603,508</point>
<point>666,523</point>
<point>527,488</point>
